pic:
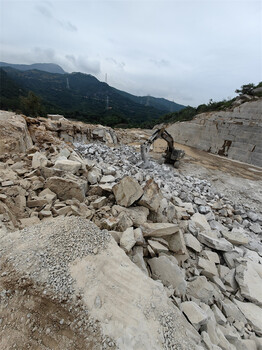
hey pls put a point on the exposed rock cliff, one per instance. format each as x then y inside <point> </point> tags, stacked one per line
<point>236,134</point>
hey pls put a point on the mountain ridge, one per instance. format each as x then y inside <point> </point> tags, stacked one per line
<point>45,67</point>
<point>83,96</point>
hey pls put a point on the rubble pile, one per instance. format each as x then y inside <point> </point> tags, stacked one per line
<point>205,250</point>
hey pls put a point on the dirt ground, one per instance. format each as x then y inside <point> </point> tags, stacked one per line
<point>239,182</point>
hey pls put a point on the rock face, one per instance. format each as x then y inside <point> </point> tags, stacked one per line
<point>235,134</point>
<point>14,135</point>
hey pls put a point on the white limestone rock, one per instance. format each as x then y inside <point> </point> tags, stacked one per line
<point>249,278</point>
<point>138,259</point>
<point>68,187</point>
<point>253,313</point>
<point>208,267</point>
<point>196,316</point>
<point>157,247</point>
<point>201,289</point>
<point>152,196</point>
<point>68,165</point>
<point>127,240</point>
<point>158,229</point>
<point>201,222</point>
<point>39,160</point>
<point>192,242</point>
<point>127,191</point>
<point>218,244</point>
<point>237,236</point>
<point>169,273</point>
<point>94,176</point>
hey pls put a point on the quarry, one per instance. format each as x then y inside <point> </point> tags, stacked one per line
<point>99,250</point>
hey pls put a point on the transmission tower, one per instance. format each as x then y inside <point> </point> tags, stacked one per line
<point>67,84</point>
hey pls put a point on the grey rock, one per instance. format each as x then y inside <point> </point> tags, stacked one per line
<point>194,313</point>
<point>169,273</point>
<point>218,244</point>
<point>249,278</point>
<point>201,289</point>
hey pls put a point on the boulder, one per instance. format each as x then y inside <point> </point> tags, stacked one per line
<point>94,176</point>
<point>249,279</point>
<point>68,165</point>
<point>201,289</point>
<point>127,191</point>
<point>107,179</point>
<point>236,236</point>
<point>152,196</point>
<point>157,247</point>
<point>169,273</point>
<point>208,267</point>
<point>219,316</point>
<point>215,243</point>
<point>138,214</point>
<point>138,259</point>
<point>159,229</point>
<point>99,202</point>
<point>192,242</point>
<point>176,243</point>
<point>39,160</point>
<point>211,256</point>
<point>68,187</point>
<point>232,312</point>
<point>14,134</point>
<point>127,239</point>
<point>253,314</point>
<point>196,316</point>
<point>201,222</point>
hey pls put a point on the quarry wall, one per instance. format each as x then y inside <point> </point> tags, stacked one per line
<point>236,134</point>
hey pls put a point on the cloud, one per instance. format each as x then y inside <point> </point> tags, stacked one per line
<point>83,64</point>
<point>116,63</point>
<point>44,55</point>
<point>45,11</point>
<point>160,63</point>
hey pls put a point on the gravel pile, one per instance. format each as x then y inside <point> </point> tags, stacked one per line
<point>64,240</point>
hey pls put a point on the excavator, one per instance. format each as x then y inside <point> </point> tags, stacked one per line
<point>172,155</point>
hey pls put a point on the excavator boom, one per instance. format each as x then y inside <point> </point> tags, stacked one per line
<point>172,155</point>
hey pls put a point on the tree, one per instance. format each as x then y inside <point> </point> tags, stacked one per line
<point>31,105</point>
<point>246,89</point>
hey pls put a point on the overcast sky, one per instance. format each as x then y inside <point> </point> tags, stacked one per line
<point>186,51</point>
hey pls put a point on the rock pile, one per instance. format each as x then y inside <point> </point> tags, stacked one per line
<point>205,250</point>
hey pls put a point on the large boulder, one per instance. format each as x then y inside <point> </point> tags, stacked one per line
<point>14,134</point>
<point>102,296</point>
<point>152,196</point>
<point>253,314</point>
<point>127,191</point>
<point>215,243</point>
<point>68,187</point>
<point>158,229</point>
<point>169,273</point>
<point>67,165</point>
<point>249,278</point>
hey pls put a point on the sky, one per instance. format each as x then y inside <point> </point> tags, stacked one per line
<point>187,51</point>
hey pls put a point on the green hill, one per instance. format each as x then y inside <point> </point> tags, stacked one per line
<point>80,96</point>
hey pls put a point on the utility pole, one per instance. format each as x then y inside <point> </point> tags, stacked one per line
<point>67,84</point>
